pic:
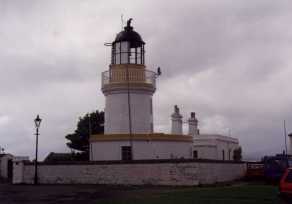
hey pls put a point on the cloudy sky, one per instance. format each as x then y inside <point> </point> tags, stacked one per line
<point>229,61</point>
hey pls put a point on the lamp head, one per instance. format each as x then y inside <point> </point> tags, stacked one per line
<point>37,121</point>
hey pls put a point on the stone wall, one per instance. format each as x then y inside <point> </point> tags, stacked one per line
<point>163,172</point>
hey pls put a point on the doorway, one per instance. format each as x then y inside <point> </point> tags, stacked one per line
<point>9,170</point>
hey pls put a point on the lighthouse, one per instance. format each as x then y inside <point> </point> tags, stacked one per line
<point>128,86</point>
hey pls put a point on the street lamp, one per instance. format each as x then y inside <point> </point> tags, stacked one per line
<point>37,122</point>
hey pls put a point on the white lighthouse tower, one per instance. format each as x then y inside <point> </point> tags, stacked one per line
<point>128,87</point>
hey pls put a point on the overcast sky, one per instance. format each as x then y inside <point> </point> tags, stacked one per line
<point>229,61</point>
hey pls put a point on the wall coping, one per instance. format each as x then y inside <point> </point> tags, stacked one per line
<point>156,161</point>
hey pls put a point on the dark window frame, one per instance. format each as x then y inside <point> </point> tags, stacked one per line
<point>126,153</point>
<point>223,155</point>
<point>195,154</point>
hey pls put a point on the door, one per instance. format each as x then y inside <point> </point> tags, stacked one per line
<point>9,170</point>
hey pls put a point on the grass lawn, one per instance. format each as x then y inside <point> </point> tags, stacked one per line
<point>245,194</point>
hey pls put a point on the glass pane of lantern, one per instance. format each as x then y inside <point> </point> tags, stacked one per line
<point>118,59</point>
<point>124,46</point>
<point>117,53</point>
<point>139,61</point>
<point>132,56</point>
<point>118,47</point>
<point>139,58</point>
<point>124,52</point>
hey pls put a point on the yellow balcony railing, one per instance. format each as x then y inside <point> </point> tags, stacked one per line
<point>130,75</point>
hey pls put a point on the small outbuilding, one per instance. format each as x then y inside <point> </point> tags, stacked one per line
<point>6,166</point>
<point>214,146</point>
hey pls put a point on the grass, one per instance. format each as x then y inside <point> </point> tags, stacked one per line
<point>241,194</point>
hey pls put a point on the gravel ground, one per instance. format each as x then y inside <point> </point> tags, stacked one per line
<point>73,194</point>
<point>53,194</point>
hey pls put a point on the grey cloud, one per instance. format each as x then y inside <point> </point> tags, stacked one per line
<point>228,61</point>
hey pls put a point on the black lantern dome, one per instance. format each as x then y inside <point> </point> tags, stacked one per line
<point>128,47</point>
<point>129,35</point>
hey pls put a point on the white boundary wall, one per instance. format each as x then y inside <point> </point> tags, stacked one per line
<point>186,173</point>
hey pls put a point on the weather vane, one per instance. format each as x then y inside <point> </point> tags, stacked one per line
<point>129,22</point>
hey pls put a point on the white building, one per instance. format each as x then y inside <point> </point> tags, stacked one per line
<point>289,144</point>
<point>212,146</point>
<point>6,166</point>
<point>128,88</point>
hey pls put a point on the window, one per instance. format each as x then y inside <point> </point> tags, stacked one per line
<point>288,178</point>
<point>290,163</point>
<point>223,155</point>
<point>138,56</point>
<point>117,50</point>
<point>195,154</point>
<point>126,153</point>
<point>126,53</point>
<point>229,154</point>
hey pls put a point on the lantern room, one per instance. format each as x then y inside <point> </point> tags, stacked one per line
<point>128,47</point>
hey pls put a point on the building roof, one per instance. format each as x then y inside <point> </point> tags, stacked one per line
<point>4,154</point>
<point>215,137</point>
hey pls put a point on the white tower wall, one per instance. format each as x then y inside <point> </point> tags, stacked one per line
<point>117,113</point>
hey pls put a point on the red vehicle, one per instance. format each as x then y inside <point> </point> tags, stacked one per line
<point>285,187</point>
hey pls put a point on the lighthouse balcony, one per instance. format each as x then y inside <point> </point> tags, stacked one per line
<point>130,77</point>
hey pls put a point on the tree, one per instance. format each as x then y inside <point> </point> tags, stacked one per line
<point>237,154</point>
<point>87,125</point>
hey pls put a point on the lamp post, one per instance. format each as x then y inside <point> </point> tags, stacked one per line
<point>37,122</point>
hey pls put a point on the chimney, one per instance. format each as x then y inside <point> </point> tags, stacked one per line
<point>193,125</point>
<point>176,122</point>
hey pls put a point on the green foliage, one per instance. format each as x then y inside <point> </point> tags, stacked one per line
<point>87,125</point>
<point>237,154</point>
<point>64,157</point>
